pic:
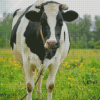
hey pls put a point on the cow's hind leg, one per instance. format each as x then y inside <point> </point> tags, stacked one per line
<point>50,81</point>
<point>29,79</point>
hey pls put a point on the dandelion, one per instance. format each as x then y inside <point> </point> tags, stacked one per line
<point>63,64</point>
<point>15,68</point>
<point>16,64</point>
<point>9,66</point>
<point>5,65</point>
<point>19,66</point>
<point>11,73</point>
<point>92,68</point>
<point>97,70</point>
<point>66,63</point>
<point>3,73</point>
<point>82,70</point>
<point>71,85</point>
<point>72,61</point>
<point>77,60</point>
<point>68,66</point>
<point>81,65</point>
<point>69,78</point>
<point>75,64</point>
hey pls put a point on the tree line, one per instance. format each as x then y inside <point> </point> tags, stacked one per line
<point>80,32</point>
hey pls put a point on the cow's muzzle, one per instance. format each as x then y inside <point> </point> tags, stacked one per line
<point>51,44</point>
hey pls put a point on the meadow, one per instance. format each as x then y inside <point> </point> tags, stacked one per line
<point>78,77</point>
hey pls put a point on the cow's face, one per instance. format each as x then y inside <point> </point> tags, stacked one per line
<point>51,17</point>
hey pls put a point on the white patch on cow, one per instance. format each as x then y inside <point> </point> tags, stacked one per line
<point>51,11</point>
<point>64,44</point>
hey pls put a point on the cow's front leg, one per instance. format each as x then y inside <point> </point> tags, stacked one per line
<point>39,83</point>
<point>29,79</point>
<point>50,81</point>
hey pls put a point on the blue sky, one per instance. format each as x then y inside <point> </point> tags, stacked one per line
<point>91,7</point>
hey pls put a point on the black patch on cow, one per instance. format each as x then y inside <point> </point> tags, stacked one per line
<point>64,36</point>
<point>45,27</point>
<point>13,34</point>
<point>51,53</point>
<point>33,16</point>
<point>15,13</point>
<point>34,41</point>
<point>58,27</point>
<point>70,15</point>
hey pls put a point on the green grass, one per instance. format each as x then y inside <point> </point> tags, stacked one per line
<point>78,77</point>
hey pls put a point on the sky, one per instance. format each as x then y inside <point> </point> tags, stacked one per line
<point>90,7</point>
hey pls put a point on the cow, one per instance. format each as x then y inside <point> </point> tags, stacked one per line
<point>34,50</point>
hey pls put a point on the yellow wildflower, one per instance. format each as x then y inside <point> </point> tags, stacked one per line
<point>66,63</point>
<point>71,85</point>
<point>11,73</point>
<point>72,61</point>
<point>19,66</point>
<point>9,66</point>
<point>5,65</point>
<point>82,70</point>
<point>3,73</point>
<point>75,64</point>
<point>69,78</point>
<point>68,66</point>
<point>81,65</point>
<point>92,68</point>
<point>16,64</point>
<point>77,60</point>
<point>15,68</point>
<point>97,70</point>
<point>63,64</point>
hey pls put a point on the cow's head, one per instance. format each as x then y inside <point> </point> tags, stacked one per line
<point>51,17</point>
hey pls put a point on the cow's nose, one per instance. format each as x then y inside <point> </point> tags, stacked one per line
<point>52,44</point>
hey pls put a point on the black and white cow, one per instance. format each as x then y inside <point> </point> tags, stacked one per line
<point>27,43</point>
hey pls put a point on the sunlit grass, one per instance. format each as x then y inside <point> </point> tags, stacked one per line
<point>78,77</point>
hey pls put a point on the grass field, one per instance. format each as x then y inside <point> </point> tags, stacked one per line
<point>78,77</point>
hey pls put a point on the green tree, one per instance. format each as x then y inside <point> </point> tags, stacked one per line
<point>97,28</point>
<point>5,31</point>
<point>80,31</point>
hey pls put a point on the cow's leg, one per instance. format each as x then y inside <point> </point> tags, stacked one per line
<point>29,79</point>
<point>39,83</point>
<point>50,81</point>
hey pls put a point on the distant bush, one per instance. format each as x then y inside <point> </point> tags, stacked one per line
<point>78,44</point>
<point>97,45</point>
<point>91,44</point>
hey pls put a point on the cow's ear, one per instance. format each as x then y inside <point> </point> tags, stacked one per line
<point>33,16</point>
<point>70,15</point>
